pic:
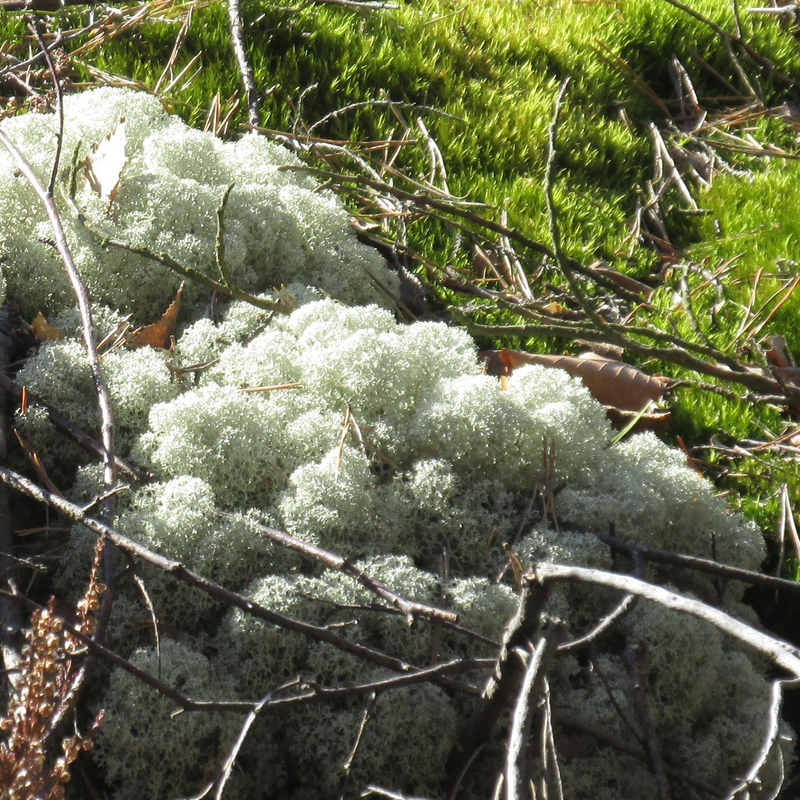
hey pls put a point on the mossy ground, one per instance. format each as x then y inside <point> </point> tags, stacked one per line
<point>490,71</point>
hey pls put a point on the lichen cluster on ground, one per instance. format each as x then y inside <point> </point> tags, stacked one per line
<point>437,460</point>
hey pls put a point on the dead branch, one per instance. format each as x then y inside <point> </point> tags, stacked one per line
<point>755,380</point>
<point>773,729</point>
<point>190,273</point>
<point>704,565</point>
<point>311,692</point>
<point>410,608</point>
<point>625,606</point>
<point>84,305</point>
<point>11,622</point>
<point>562,260</point>
<point>626,747</point>
<point>501,689</point>
<point>516,777</point>
<point>730,38</point>
<point>388,793</point>
<point>209,587</point>
<point>551,778</point>
<point>781,653</point>
<point>245,68</point>
<point>72,431</point>
<point>641,707</point>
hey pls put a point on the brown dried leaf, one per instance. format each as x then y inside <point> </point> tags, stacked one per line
<point>159,333</point>
<point>43,330</point>
<point>103,166</point>
<point>611,383</point>
<point>777,351</point>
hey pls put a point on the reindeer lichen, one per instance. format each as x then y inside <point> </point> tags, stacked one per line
<point>387,445</point>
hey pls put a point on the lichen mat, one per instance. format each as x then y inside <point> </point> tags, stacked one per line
<point>386,445</point>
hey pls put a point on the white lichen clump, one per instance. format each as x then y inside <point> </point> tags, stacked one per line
<point>171,180</point>
<point>390,448</point>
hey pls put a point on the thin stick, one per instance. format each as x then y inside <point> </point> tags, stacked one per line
<point>72,431</point>
<point>410,608</point>
<point>642,708</point>
<point>11,622</point>
<point>781,653</point>
<point>209,587</point>
<point>773,729</point>
<point>35,28</point>
<point>227,767</point>
<point>516,768</point>
<point>624,607</point>
<point>245,68</point>
<point>552,772</point>
<point>697,564</point>
<point>87,321</point>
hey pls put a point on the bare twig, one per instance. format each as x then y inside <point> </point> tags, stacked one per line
<point>502,687</point>
<point>310,692</point>
<point>11,622</point>
<point>602,735</point>
<point>781,653</point>
<point>72,431</point>
<point>752,379</point>
<point>188,272</point>
<point>410,608</point>
<point>516,768</point>
<point>350,760</point>
<point>84,304</point>
<point>245,68</point>
<point>697,564</point>
<point>767,748</point>
<point>642,708</point>
<point>101,389</point>
<point>388,793</point>
<point>554,789</point>
<point>209,587</point>
<point>35,28</point>
<point>624,607</point>
<point>227,767</point>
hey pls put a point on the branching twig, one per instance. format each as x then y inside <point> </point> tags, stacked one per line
<point>781,653</point>
<point>101,389</point>
<point>410,608</point>
<point>501,688</point>
<point>773,729</point>
<point>516,768</point>
<point>209,587</point>
<point>84,304</point>
<point>190,273</point>
<point>72,431</point>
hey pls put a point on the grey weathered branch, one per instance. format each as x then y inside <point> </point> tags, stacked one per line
<point>410,608</point>
<point>245,68</point>
<point>178,571</point>
<point>516,777</point>
<point>776,650</point>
